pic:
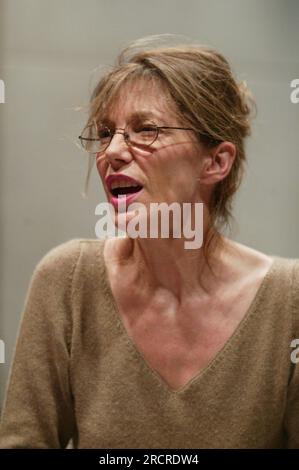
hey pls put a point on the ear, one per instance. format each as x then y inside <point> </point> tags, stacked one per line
<point>218,162</point>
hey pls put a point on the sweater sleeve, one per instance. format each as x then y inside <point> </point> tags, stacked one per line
<point>38,409</point>
<point>292,409</point>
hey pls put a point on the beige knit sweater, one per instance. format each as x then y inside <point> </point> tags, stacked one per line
<point>77,374</point>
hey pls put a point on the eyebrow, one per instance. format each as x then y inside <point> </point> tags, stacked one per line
<point>137,115</point>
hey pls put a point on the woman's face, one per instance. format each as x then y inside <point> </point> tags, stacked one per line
<point>169,168</point>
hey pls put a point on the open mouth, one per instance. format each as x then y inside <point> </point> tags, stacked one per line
<point>123,191</point>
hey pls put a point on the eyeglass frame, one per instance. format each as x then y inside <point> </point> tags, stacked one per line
<point>129,143</point>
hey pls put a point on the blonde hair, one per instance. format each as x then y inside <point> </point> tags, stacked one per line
<point>199,81</point>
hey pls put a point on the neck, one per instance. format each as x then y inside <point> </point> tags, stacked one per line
<point>164,263</point>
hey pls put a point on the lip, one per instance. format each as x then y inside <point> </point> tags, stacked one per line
<point>118,177</point>
<point>123,202</point>
<point>126,199</point>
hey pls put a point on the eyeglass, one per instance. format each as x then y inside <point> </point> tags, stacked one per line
<point>96,139</point>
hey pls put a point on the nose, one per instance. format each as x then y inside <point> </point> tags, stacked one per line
<point>118,148</point>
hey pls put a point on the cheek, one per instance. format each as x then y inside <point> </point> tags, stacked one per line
<point>101,167</point>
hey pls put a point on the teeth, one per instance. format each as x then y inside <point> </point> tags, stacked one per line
<point>123,184</point>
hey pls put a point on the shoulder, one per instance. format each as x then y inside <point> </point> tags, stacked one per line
<point>280,274</point>
<point>296,273</point>
<point>59,259</point>
<point>60,254</point>
<point>67,254</point>
<point>284,288</point>
<point>254,261</point>
<point>65,269</point>
<point>59,264</point>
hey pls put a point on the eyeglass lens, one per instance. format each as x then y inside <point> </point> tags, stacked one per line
<point>96,138</point>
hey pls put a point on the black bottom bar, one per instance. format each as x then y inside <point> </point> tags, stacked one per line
<point>132,458</point>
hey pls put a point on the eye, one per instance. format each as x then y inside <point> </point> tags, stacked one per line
<point>142,126</point>
<point>145,128</point>
<point>104,133</point>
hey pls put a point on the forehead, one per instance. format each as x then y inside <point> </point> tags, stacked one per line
<point>141,100</point>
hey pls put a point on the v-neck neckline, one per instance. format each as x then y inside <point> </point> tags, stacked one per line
<point>219,355</point>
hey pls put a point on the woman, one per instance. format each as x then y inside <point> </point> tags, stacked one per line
<point>140,342</point>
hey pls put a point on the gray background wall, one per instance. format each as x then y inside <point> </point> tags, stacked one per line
<point>48,53</point>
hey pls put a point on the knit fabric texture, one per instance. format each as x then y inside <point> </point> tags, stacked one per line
<point>77,374</point>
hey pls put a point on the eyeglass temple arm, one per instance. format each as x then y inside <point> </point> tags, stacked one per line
<point>86,138</point>
<point>189,129</point>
